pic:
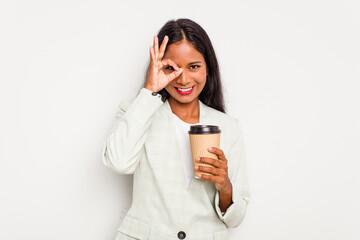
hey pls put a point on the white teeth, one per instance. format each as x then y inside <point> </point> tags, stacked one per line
<point>184,90</point>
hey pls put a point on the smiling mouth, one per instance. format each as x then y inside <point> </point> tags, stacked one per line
<point>185,91</point>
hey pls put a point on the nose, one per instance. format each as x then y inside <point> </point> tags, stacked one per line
<point>182,79</point>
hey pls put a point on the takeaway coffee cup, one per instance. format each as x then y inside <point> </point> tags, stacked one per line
<point>201,138</point>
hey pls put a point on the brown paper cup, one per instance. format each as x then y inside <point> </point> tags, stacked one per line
<point>200,143</point>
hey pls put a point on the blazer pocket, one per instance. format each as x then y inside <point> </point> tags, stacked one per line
<point>134,228</point>
<point>221,235</point>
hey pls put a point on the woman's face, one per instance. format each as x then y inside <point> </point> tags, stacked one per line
<point>193,77</point>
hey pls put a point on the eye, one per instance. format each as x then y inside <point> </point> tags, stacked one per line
<point>170,68</point>
<point>195,66</point>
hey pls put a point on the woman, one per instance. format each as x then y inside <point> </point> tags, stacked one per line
<point>150,140</point>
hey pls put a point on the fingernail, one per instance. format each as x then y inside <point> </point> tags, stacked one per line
<point>197,159</point>
<point>196,167</point>
<point>210,149</point>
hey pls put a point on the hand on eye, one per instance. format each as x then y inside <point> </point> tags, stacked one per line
<point>157,79</point>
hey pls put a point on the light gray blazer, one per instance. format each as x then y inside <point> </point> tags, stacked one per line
<point>143,142</point>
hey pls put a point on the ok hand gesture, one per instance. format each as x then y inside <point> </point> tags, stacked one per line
<point>157,79</point>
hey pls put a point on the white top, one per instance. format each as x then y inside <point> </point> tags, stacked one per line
<point>182,129</point>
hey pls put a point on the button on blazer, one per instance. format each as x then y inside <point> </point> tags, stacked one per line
<point>143,142</point>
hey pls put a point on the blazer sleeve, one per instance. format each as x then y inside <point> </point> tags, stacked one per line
<point>237,171</point>
<point>124,147</point>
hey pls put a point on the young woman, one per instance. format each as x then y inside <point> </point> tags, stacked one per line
<point>150,140</point>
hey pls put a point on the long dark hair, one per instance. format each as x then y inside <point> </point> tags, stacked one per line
<point>186,29</point>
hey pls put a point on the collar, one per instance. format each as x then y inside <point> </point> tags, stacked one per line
<point>202,107</point>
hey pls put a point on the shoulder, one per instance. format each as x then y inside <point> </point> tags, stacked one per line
<point>220,116</point>
<point>230,126</point>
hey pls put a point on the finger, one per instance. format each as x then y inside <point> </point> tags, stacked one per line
<point>156,47</point>
<point>174,75</point>
<point>152,54</point>
<point>169,62</point>
<point>163,46</point>
<point>212,161</point>
<point>212,170</point>
<point>211,178</point>
<point>218,152</point>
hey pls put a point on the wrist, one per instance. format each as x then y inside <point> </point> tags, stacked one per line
<point>150,88</point>
<point>226,190</point>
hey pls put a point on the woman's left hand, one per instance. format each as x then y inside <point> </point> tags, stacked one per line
<point>219,170</point>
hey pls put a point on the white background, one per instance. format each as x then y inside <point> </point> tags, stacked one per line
<point>291,73</point>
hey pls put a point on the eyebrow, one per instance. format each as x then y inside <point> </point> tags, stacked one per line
<point>195,62</point>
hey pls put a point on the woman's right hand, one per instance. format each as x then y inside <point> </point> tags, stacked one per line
<point>157,79</point>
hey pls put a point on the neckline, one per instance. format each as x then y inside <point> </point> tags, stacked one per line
<point>202,111</point>
<point>189,124</point>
